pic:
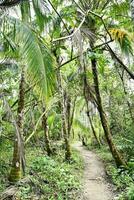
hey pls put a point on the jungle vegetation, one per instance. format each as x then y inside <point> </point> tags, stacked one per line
<point>66,74</point>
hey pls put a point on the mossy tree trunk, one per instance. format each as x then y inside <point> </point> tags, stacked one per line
<point>18,163</point>
<point>68,111</point>
<point>71,117</point>
<point>46,133</point>
<point>116,155</point>
<point>85,92</point>
<point>93,129</point>
<point>126,94</point>
<point>64,114</point>
<point>65,127</point>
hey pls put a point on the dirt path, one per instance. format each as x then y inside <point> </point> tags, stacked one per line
<point>95,185</point>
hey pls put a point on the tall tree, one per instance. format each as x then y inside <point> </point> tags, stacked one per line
<point>18,163</point>
<point>46,132</point>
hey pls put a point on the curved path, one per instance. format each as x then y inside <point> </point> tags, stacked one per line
<point>95,185</point>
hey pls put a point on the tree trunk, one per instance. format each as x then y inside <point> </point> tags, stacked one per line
<point>132,9</point>
<point>64,118</point>
<point>68,109</point>
<point>116,155</point>
<point>85,91</point>
<point>18,163</point>
<point>127,101</point>
<point>65,128</point>
<point>93,130</point>
<point>72,114</point>
<point>46,135</point>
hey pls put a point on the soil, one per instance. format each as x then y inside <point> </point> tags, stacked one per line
<point>95,185</point>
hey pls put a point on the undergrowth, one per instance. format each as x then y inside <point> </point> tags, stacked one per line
<point>47,178</point>
<point>122,179</point>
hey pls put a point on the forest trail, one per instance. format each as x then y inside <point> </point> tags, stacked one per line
<point>95,185</point>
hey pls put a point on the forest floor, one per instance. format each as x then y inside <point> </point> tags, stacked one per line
<point>95,184</point>
<point>46,178</point>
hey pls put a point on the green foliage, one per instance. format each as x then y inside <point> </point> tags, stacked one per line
<point>51,177</point>
<point>122,179</point>
<point>25,11</point>
<point>5,156</point>
<point>119,9</point>
<point>33,53</point>
<point>27,39</point>
<point>123,38</point>
<point>130,192</point>
<point>46,178</point>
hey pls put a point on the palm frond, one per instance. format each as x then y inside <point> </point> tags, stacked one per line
<point>123,38</point>
<point>31,56</point>
<point>50,66</point>
<point>118,9</point>
<point>37,58</point>
<point>41,10</point>
<point>25,11</point>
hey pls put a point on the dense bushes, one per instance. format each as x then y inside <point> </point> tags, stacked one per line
<point>46,178</point>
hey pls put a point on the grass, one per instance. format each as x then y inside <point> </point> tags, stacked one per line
<point>47,178</point>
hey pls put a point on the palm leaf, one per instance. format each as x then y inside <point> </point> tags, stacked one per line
<point>123,38</point>
<point>50,65</point>
<point>25,11</point>
<point>37,59</point>
<point>31,55</point>
<point>41,10</point>
<point>120,8</point>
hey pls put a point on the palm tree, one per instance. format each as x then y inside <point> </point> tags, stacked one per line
<point>46,132</point>
<point>18,163</point>
<point>34,58</point>
<point>90,24</point>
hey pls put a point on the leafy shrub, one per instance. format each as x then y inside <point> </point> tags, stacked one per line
<point>51,178</point>
<point>130,192</point>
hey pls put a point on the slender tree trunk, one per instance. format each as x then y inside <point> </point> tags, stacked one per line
<point>64,118</point>
<point>32,124</point>
<point>46,135</point>
<point>18,163</point>
<point>72,114</point>
<point>132,8</point>
<point>63,113</point>
<point>116,155</point>
<point>85,91</point>
<point>93,130</point>
<point>127,101</point>
<point>68,109</point>
<point>65,128</point>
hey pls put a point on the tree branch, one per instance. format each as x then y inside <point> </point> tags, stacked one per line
<point>120,62</point>
<point>59,16</point>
